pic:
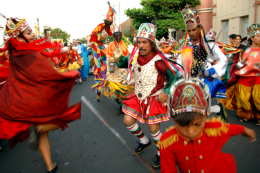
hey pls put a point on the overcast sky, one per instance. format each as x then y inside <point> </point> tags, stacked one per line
<point>77,17</point>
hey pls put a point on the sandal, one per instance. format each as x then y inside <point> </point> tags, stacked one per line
<point>258,123</point>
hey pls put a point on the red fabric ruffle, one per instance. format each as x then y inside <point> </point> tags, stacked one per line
<point>34,93</point>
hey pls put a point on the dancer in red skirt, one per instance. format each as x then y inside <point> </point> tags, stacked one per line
<point>153,76</point>
<point>34,98</point>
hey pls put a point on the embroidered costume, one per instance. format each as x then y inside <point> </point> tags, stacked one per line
<point>153,75</point>
<point>204,153</point>
<point>243,92</point>
<point>115,85</point>
<point>203,53</point>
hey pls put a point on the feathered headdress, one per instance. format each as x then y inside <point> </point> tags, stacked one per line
<point>110,13</point>
<point>189,94</point>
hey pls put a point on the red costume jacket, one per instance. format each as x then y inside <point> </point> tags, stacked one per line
<point>201,155</point>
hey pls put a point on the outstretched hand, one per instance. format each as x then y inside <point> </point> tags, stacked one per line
<point>250,133</point>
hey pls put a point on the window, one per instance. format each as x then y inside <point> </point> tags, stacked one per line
<point>244,26</point>
<point>225,32</point>
<point>174,35</point>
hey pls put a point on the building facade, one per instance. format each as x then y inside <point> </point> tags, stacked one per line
<point>237,16</point>
<point>205,13</point>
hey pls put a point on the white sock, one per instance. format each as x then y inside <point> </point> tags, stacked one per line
<point>158,153</point>
<point>215,109</point>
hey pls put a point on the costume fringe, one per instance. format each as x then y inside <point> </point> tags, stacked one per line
<point>169,140</point>
<point>214,132</point>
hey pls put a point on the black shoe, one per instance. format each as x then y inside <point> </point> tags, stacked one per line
<point>222,112</point>
<point>156,162</point>
<point>54,169</point>
<point>140,148</point>
<point>84,79</point>
<point>80,83</point>
<point>34,138</point>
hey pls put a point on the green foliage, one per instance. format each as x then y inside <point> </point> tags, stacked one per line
<point>83,40</point>
<point>164,13</point>
<point>110,38</point>
<point>128,32</point>
<point>61,34</point>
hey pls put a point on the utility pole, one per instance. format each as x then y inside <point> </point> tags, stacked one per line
<point>38,25</point>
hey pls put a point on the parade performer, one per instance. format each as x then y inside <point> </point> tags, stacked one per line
<point>194,144</point>
<point>114,85</point>
<point>4,56</point>
<point>98,35</point>
<point>74,62</point>
<point>204,57</point>
<point>63,60</point>
<point>34,99</point>
<point>243,95</point>
<point>153,74</point>
<point>86,66</point>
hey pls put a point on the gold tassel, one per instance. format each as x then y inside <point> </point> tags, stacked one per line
<point>168,142</point>
<point>214,132</point>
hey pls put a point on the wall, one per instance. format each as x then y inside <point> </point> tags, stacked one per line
<point>205,13</point>
<point>233,11</point>
<point>127,25</point>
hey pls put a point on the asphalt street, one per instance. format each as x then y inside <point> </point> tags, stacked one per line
<point>88,146</point>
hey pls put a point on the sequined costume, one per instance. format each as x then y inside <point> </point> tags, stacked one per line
<point>216,60</point>
<point>243,96</point>
<point>115,85</point>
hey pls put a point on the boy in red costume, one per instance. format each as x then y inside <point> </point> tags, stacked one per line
<point>195,143</point>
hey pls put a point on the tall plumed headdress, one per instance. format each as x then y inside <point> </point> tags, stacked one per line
<point>148,31</point>
<point>110,13</point>
<point>191,19</point>
<point>15,26</point>
<point>115,28</point>
<point>253,30</point>
<point>189,94</point>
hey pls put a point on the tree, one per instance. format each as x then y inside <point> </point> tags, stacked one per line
<point>61,34</point>
<point>83,40</point>
<point>110,38</point>
<point>164,13</point>
<point>128,32</point>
